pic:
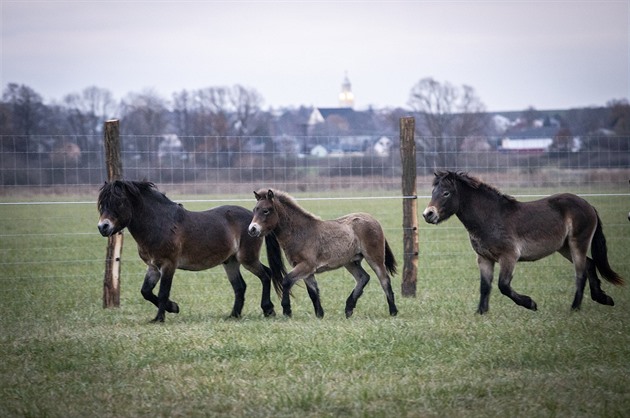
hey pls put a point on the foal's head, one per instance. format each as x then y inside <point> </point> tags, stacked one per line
<point>115,206</point>
<point>265,214</point>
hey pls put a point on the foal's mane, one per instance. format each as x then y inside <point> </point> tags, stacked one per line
<point>470,181</point>
<point>288,201</point>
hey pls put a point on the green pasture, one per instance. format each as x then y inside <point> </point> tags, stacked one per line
<point>63,355</point>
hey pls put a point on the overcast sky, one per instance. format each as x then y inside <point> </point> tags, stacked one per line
<point>547,54</point>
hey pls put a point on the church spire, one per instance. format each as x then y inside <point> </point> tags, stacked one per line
<point>346,98</point>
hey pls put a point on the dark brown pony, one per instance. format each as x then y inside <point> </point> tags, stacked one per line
<point>312,246</point>
<point>170,237</point>
<point>503,230</point>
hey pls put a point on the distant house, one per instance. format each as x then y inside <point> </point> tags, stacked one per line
<point>319,151</point>
<point>382,146</point>
<point>340,120</point>
<point>171,147</point>
<point>525,145</point>
<point>347,130</point>
<point>530,141</point>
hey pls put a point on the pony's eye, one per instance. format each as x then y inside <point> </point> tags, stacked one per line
<point>266,212</point>
<point>446,194</point>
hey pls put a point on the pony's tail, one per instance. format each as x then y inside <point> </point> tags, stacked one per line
<point>599,252</point>
<point>390,260</point>
<point>276,263</point>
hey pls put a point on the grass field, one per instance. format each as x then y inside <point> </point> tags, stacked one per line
<point>62,355</point>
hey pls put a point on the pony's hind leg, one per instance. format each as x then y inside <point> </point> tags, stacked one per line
<point>585,268</point>
<point>597,294</point>
<point>386,284</point>
<point>579,262</point>
<point>232,269</point>
<point>264,274</point>
<point>362,278</point>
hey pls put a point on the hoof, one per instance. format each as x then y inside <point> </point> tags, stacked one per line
<point>235,315</point>
<point>349,314</point>
<point>604,300</point>
<point>172,307</point>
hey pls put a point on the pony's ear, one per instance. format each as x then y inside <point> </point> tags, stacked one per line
<point>270,194</point>
<point>257,196</point>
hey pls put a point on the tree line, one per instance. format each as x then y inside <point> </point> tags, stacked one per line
<point>222,128</point>
<point>447,116</point>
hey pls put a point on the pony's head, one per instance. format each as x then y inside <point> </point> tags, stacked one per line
<point>115,206</point>
<point>444,197</point>
<point>265,214</point>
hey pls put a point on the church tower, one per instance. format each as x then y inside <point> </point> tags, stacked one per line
<point>346,98</point>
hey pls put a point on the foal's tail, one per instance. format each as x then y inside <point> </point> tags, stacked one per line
<point>600,256</point>
<point>276,263</point>
<point>390,260</point>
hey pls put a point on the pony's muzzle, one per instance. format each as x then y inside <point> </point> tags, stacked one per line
<point>106,228</point>
<point>430,215</point>
<point>254,230</point>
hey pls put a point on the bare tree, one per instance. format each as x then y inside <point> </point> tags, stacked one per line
<point>89,109</point>
<point>247,110</point>
<point>620,117</point>
<point>86,113</point>
<point>144,113</point>
<point>146,118</point>
<point>24,112</point>
<point>449,114</point>
<point>183,113</point>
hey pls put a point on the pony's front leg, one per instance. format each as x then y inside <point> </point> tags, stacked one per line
<point>313,293</point>
<point>232,269</point>
<point>486,272</point>
<point>505,278</point>
<point>300,271</point>
<point>164,304</point>
<point>151,279</point>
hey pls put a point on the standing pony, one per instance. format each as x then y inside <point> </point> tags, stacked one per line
<point>503,230</point>
<point>312,246</point>
<point>170,237</point>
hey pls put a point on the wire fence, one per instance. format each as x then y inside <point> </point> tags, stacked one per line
<point>49,185</point>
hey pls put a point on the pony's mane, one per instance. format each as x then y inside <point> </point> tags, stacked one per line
<point>288,200</point>
<point>119,189</point>
<point>470,181</point>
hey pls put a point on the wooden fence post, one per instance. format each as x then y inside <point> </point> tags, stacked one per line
<point>111,281</point>
<point>410,206</point>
